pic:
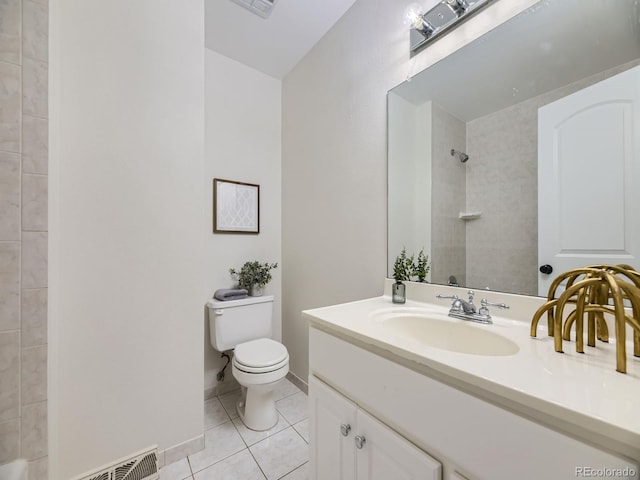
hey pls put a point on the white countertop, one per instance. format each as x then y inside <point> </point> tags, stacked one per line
<point>581,389</point>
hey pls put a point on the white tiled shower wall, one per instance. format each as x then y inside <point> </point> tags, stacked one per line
<point>448,197</point>
<point>23,232</point>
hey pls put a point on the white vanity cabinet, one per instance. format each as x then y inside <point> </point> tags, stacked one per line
<point>349,444</point>
<point>403,410</point>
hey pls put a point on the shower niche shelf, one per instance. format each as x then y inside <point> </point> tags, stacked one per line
<point>466,216</point>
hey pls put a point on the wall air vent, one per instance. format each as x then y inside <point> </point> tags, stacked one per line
<point>261,8</point>
<point>139,466</point>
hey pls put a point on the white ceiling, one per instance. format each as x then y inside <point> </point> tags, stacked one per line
<point>273,45</point>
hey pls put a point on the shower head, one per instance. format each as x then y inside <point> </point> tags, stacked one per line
<point>463,157</point>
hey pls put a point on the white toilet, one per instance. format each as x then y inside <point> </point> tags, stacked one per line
<point>259,363</point>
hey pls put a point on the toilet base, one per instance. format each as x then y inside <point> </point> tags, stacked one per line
<point>257,408</point>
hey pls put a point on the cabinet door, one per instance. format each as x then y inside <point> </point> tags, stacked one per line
<point>331,430</point>
<point>386,455</point>
<point>589,138</point>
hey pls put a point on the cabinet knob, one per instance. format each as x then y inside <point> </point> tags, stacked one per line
<point>345,428</point>
<point>360,441</point>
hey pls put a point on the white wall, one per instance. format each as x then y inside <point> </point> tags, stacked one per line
<point>242,143</point>
<point>408,178</point>
<point>402,178</point>
<point>334,156</point>
<point>126,247</point>
<point>424,158</point>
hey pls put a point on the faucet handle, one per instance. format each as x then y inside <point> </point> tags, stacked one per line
<point>486,303</point>
<point>471,294</point>
<point>449,297</point>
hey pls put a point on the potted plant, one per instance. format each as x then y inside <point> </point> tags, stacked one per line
<point>402,270</point>
<point>253,276</point>
<point>421,268</point>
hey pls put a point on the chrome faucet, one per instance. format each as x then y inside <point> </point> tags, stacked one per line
<point>468,311</point>
<point>468,307</point>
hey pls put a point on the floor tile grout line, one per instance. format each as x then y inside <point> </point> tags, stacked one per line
<point>258,463</point>
<point>297,468</point>
<point>277,433</point>
<point>221,460</point>
<point>295,430</point>
<point>239,434</point>
<point>220,403</point>
<point>291,394</point>
<point>205,446</point>
<point>225,408</point>
<point>285,418</point>
<point>215,426</point>
<point>264,438</point>
<point>247,447</point>
<point>229,456</point>
<point>225,412</point>
<point>189,461</point>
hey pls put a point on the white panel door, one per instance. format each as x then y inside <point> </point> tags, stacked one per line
<point>331,431</point>
<point>385,455</point>
<point>589,177</point>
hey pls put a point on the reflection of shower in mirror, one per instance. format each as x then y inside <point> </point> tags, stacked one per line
<point>463,157</point>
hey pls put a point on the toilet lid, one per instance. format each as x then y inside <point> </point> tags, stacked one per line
<point>260,353</point>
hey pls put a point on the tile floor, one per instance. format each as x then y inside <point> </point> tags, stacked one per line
<point>233,452</point>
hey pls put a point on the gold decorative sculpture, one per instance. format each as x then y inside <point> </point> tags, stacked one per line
<point>595,290</point>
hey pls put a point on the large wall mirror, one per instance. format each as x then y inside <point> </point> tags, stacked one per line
<point>479,174</point>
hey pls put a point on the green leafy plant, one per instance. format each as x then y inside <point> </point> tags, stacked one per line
<point>403,267</point>
<point>421,268</point>
<point>253,273</point>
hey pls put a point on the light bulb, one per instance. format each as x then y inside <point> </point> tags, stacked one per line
<point>413,15</point>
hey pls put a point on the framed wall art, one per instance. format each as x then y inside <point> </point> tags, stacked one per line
<point>236,207</point>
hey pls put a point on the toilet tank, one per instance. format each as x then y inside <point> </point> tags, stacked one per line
<point>238,321</point>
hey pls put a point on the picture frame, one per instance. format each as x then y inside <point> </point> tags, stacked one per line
<point>236,207</point>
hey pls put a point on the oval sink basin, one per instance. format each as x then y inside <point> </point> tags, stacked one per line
<point>455,336</point>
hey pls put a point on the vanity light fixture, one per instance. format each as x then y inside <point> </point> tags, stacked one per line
<point>426,25</point>
<point>262,8</point>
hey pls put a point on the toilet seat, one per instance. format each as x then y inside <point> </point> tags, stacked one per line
<point>270,368</point>
<point>260,356</point>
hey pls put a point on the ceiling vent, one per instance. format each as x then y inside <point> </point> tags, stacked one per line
<point>262,8</point>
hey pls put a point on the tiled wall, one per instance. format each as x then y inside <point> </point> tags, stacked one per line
<point>448,237</point>
<point>23,232</point>
<point>502,248</point>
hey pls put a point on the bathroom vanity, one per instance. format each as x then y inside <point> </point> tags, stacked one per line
<point>408,392</point>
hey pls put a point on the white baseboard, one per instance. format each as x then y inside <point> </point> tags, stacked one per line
<point>298,382</point>
<point>182,450</point>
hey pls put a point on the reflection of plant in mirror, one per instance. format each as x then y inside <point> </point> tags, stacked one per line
<point>403,267</point>
<point>421,268</point>
<point>253,273</point>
